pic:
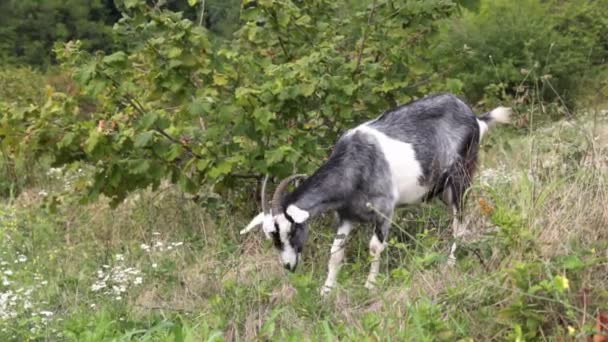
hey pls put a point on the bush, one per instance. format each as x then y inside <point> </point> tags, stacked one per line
<point>520,48</point>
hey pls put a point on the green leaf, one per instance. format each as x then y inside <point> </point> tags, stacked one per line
<point>307,89</point>
<point>283,19</point>
<point>139,166</point>
<point>116,57</point>
<point>174,52</point>
<point>148,120</point>
<point>174,152</point>
<point>572,262</point>
<point>67,140</point>
<point>131,3</point>
<point>142,139</point>
<point>92,141</point>
<point>192,3</point>
<point>219,79</point>
<point>202,164</point>
<point>221,169</point>
<point>186,184</point>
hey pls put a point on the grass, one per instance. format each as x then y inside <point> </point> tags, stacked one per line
<point>160,267</point>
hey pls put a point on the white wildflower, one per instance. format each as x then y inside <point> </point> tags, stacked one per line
<point>22,258</point>
<point>154,265</point>
<point>8,272</point>
<point>177,244</point>
<point>43,193</point>
<point>98,286</point>
<point>138,280</point>
<point>120,257</point>
<point>44,282</point>
<point>155,233</point>
<point>46,313</point>
<point>118,298</point>
<point>144,247</point>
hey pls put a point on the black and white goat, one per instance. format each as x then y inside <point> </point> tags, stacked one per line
<point>408,154</point>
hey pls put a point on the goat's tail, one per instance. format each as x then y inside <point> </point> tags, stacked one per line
<point>490,119</point>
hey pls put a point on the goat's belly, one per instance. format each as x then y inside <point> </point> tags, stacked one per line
<point>409,191</point>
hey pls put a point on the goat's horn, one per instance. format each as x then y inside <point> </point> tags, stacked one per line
<point>278,193</point>
<point>264,204</point>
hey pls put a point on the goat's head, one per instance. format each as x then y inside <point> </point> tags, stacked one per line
<point>286,226</point>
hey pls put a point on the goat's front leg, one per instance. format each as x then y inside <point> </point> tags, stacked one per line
<point>376,245</point>
<point>337,256</point>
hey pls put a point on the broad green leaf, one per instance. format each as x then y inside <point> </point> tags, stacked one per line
<point>148,120</point>
<point>67,140</point>
<point>92,141</point>
<point>140,167</point>
<point>142,139</point>
<point>116,57</point>
<point>219,79</point>
<point>223,168</point>
<point>186,184</point>
<point>174,52</point>
<point>572,262</point>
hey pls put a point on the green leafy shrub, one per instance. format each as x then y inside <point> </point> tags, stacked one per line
<point>526,49</point>
<point>176,104</point>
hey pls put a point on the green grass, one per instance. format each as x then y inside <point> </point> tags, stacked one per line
<point>162,268</point>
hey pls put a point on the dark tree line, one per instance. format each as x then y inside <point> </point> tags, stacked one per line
<point>30,28</point>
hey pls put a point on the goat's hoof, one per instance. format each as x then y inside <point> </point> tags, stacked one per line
<point>325,291</point>
<point>451,261</point>
<point>370,285</point>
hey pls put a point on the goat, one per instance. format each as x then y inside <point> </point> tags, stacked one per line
<point>408,154</point>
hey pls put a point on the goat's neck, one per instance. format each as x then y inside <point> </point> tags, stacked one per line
<point>318,194</point>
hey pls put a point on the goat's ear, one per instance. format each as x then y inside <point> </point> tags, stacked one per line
<point>258,220</point>
<point>297,214</point>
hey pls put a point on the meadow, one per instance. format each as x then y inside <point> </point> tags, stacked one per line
<point>135,135</point>
<point>159,267</point>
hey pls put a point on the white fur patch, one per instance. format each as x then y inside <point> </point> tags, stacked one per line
<point>284,229</point>
<point>375,246</point>
<point>336,257</point>
<point>405,168</point>
<point>289,256</point>
<point>265,220</point>
<point>268,225</point>
<point>297,214</point>
<point>283,223</point>
<point>254,223</point>
<point>483,128</point>
<point>501,114</point>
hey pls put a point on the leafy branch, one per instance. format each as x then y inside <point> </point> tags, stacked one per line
<point>364,39</point>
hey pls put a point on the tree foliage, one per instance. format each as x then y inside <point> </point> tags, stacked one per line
<point>31,27</point>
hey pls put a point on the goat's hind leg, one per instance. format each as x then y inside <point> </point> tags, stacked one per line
<point>376,245</point>
<point>453,196</point>
<point>337,256</point>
